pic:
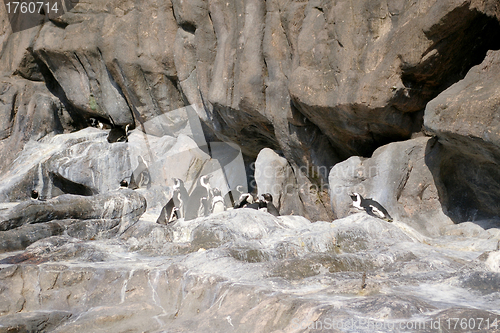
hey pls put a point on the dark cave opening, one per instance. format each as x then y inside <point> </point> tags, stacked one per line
<point>460,42</point>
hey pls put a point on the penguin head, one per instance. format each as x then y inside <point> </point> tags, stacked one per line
<point>267,197</point>
<point>355,197</point>
<point>249,198</point>
<point>205,180</point>
<point>124,183</point>
<point>34,194</point>
<point>178,183</point>
<point>216,192</point>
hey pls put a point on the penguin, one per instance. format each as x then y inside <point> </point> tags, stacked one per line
<point>372,207</point>
<point>93,122</point>
<point>169,213</point>
<point>244,200</point>
<point>181,199</point>
<point>204,207</point>
<point>195,203</point>
<point>254,203</point>
<point>34,195</point>
<point>124,183</point>
<point>140,177</point>
<point>267,198</point>
<point>217,202</point>
<point>231,196</point>
<point>118,133</point>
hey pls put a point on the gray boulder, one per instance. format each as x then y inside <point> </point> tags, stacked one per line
<point>399,177</point>
<point>464,118</point>
<point>291,187</point>
<point>84,217</point>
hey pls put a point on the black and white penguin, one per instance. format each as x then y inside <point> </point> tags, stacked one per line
<point>181,198</point>
<point>244,200</point>
<point>169,213</point>
<point>232,196</point>
<point>96,123</point>
<point>217,202</point>
<point>34,195</point>
<point>118,133</point>
<point>204,207</point>
<point>140,177</point>
<point>369,205</point>
<point>267,199</point>
<point>195,204</point>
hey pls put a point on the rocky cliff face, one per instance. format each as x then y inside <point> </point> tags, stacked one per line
<point>395,99</point>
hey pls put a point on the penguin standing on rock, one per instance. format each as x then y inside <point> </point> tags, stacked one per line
<point>200,199</point>
<point>369,205</point>
<point>217,202</point>
<point>140,177</point>
<point>180,196</point>
<point>169,213</point>
<point>118,133</point>
<point>267,199</point>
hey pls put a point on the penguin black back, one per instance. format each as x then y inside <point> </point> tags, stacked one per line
<point>245,199</point>
<point>118,133</point>
<point>371,207</point>
<point>271,209</point>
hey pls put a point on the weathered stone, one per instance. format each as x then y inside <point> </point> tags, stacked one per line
<point>465,119</point>
<point>317,82</point>
<point>244,270</point>
<point>399,177</point>
<point>78,216</point>
<point>292,190</point>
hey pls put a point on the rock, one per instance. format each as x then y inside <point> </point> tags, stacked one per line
<point>292,190</point>
<point>244,270</point>
<point>274,175</point>
<point>29,112</point>
<point>316,82</point>
<point>78,216</point>
<point>399,177</point>
<point>464,119</point>
<point>255,88</point>
<point>35,321</point>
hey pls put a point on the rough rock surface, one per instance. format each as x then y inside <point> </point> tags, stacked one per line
<point>316,81</point>
<point>292,190</point>
<point>399,177</point>
<point>465,118</point>
<point>85,217</point>
<point>247,271</point>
